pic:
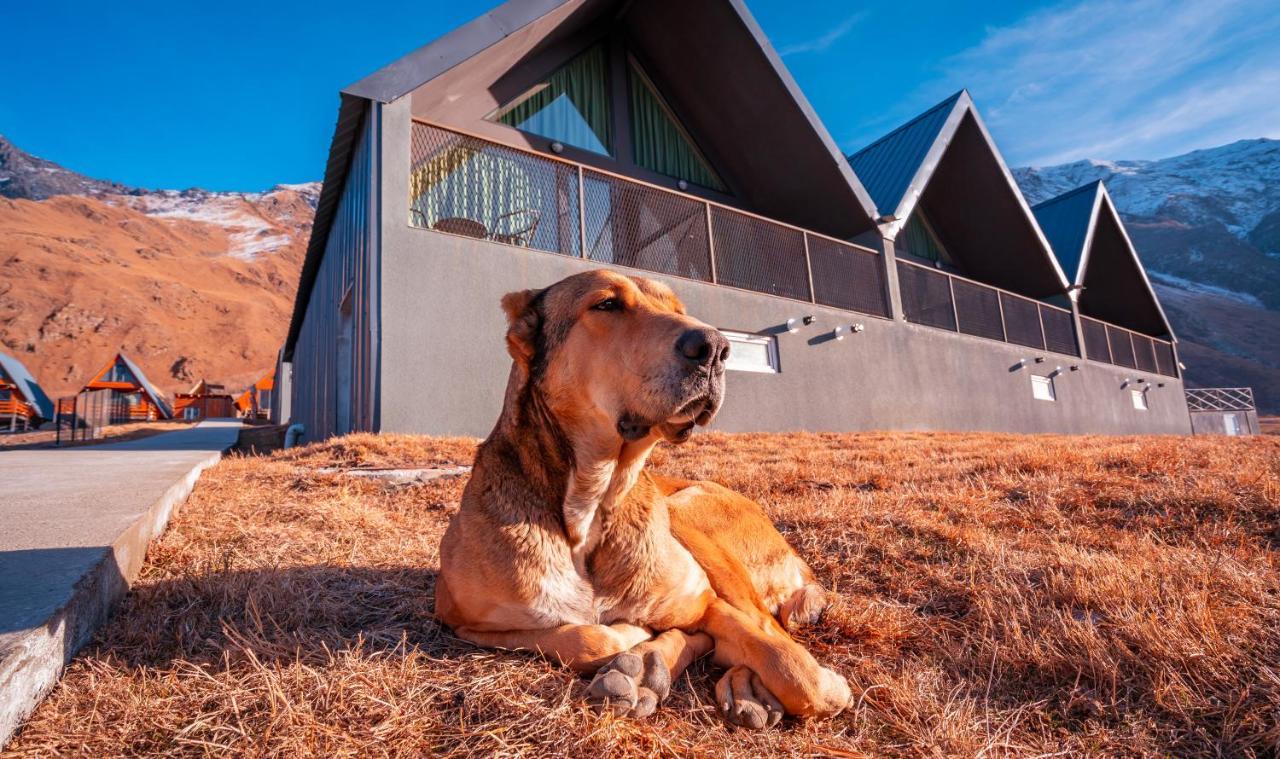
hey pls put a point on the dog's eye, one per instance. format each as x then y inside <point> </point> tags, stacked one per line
<point>608,304</point>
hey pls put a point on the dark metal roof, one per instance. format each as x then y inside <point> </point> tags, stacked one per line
<point>1091,241</point>
<point>887,166</point>
<point>425,64</point>
<point>1066,220</point>
<point>31,390</point>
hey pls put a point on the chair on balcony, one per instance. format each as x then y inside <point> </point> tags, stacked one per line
<point>525,226</point>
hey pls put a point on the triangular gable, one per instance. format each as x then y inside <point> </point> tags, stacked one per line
<point>947,153</point>
<point>1091,241</point>
<point>31,391</point>
<point>140,380</point>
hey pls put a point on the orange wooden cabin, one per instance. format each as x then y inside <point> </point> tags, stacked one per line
<point>136,399</point>
<point>22,401</point>
<point>255,403</point>
<point>204,401</point>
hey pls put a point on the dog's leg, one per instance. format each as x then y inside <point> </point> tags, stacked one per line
<point>583,648</point>
<point>637,681</point>
<point>785,669</point>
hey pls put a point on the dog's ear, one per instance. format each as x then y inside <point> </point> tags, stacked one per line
<point>523,323</point>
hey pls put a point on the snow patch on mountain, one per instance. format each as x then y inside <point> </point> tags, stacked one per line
<point>1200,287</point>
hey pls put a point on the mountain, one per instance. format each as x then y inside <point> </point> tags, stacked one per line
<point>191,284</point>
<point>1207,227</point>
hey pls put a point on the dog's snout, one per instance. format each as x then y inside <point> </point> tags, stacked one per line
<point>703,346</point>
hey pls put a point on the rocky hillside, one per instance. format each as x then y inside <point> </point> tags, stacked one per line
<point>1207,226</point>
<point>191,284</point>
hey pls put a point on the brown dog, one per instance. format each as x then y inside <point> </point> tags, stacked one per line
<point>565,545</point>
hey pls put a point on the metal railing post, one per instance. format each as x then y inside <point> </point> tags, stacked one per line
<point>808,267</point>
<point>1044,339</point>
<point>955,312</point>
<point>582,214</point>
<point>711,243</point>
<point>1004,328</point>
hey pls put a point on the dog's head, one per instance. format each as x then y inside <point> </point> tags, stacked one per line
<point>616,357</point>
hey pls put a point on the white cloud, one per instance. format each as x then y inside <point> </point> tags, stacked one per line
<point>1115,79</point>
<point>826,39</point>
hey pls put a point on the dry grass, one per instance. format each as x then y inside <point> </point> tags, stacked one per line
<point>998,595</point>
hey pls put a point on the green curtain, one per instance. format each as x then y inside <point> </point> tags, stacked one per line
<point>661,145</point>
<point>921,243</point>
<point>571,106</point>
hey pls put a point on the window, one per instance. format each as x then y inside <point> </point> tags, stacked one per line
<point>570,106</point>
<point>751,353</point>
<point>191,412</point>
<point>919,240</point>
<point>661,144</point>
<point>6,396</point>
<point>1139,398</point>
<point>1042,388</point>
<point>118,373</point>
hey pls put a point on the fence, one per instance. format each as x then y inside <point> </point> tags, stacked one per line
<point>1220,399</point>
<point>472,187</point>
<point>1122,347</point>
<point>87,413</point>
<point>946,301</point>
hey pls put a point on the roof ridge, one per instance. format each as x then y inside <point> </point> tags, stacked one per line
<point>919,117</point>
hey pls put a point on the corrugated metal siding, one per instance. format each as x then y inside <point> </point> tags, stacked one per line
<point>1065,222</point>
<point>346,266</point>
<point>886,166</point>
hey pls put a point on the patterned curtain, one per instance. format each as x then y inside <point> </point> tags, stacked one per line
<point>921,243</point>
<point>660,144</point>
<point>463,181</point>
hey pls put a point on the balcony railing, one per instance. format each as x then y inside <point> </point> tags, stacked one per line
<point>946,301</point>
<point>1123,347</point>
<point>468,186</point>
<point>1220,399</point>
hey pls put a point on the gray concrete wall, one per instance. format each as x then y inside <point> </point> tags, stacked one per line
<point>349,267</point>
<point>444,362</point>
<point>1214,422</point>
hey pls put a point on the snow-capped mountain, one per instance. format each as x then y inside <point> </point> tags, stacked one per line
<point>1207,227</point>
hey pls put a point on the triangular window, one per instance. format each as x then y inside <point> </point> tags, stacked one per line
<point>571,106</point>
<point>661,144</point>
<point>919,240</point>
<point>119,373</point>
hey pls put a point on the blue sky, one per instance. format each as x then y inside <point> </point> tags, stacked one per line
<point>240,96</point>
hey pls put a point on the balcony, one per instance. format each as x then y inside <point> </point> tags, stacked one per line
<point>467,186</point>
<point>1123,347</point>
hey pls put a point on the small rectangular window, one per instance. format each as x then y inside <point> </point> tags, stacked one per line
<point>1042,388</point>
<point>751,353</point>
<point>1231,424</point>
<point>1139,398</point>
<point>5,395</point>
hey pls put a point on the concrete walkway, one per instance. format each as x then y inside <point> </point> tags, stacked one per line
<point>74,529</point>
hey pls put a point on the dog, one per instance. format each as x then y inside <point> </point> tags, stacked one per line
<point>565,545</point>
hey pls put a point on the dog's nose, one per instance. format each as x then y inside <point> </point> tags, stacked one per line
<point>703,347</point>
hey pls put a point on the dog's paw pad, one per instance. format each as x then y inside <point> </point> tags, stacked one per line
<point>631,685</point>
<point>745,702</point>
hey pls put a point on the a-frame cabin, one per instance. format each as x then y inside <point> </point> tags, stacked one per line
<point>204,400</point>
<point>134,397</point>
<point>23,404</point>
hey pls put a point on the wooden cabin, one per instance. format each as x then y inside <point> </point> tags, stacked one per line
<point>255,402</point>
<point>204,401</point>
<point>135,399</point>
<point>23,404</point>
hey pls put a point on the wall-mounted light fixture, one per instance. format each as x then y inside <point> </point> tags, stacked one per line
<point>557,147</point>
<point>1056,371</point>
<point>857,327</point>
<point>809,320</point>
<point>1039,359</point>
<point>1075,367</point>
<point>838,333</point>
<point>1125,383</point>
<point>683,185</point>
<point>793,326</point>
<point>1159,384</point>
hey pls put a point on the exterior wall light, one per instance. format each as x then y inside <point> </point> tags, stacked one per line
<point>1075,367</point>
<point>793,326</point>
<point>682,185</point>
<point>557,147</point>
<point>809,320</point>
<point>1125,383</point>
<point>858,327</point>
<point>838,332</point>
<point>1159,384</point>
<point>1039,359</point>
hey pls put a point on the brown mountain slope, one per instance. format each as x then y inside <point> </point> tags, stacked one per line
<point>200,285</point>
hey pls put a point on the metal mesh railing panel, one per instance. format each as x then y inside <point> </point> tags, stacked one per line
<point>1220,399</point>
<point>1022,321</point>
<point>1166,363</point>
<point>1059,332</point>
<point>1144,353</point>
<point>757,255</point>
<point>1095,340</point>
<point>635,225</point>
<point>846,277</point>
<point>474,188</point>
<point>926,297</point>
<point>978,309</point>
<point>1121,347</point>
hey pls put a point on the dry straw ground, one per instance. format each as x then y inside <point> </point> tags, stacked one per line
<point>998,595</point>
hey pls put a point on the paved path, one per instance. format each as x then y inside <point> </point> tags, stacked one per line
<point>74,529</point>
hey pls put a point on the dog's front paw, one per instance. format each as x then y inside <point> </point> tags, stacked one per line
<point>632,685</point>
<point>744,701</point>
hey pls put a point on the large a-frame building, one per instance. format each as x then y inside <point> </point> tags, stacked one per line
<point>909,286</point>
